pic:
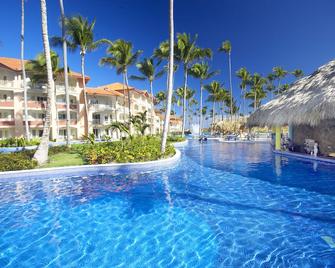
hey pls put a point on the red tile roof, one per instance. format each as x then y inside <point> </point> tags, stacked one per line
<point>15,65</point>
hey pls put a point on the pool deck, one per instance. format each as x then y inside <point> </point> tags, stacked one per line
<point>87,170</point>
<point>305,156</point>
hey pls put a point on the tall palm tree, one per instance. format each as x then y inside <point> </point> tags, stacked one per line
<point>79,34</point>
<point>121,57</point>
<point>269,83</point>
<point>186,53</point>
<point>223,97</point>
<point>298,73</point>
<point>170,81</point>
<point>245,77</point>
<point>226,48</point>
<point>213,90</point>
<point>161,99</point>
<point>24,82</point>
<point>66,76</point>
<point>257,92</point>
<point>201,72</point>
<point>41,154</point>
<point>279,73</point>
<point>148,69</point>
<point>37,70</point>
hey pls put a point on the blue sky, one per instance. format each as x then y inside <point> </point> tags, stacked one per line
<point>264,33</point>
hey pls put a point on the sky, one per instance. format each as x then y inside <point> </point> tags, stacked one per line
<point>264,33</point>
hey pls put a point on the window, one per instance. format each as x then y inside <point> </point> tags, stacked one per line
<point>136,107</point>
<point>61,116</point>
<point>5,78</point>
<point>41,99</point>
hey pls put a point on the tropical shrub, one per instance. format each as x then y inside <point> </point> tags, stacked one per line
<point>175,138</point>
<point>18,142</point>
<point>137,149</point>
<point>17,161</point>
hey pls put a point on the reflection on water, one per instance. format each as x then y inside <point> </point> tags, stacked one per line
<point>258,161</point>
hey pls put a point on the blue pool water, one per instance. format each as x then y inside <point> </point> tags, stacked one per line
<point>224,205</point>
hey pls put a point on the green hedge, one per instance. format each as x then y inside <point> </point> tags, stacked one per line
<point>137,149</point>
<point>18,142</point>
<point>175,138</point>
<point>16,161</point>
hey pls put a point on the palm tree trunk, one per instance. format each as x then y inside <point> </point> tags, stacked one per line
<point>124,96</point>
<point>278,89</point>
<point>41,154</point>
<point>255,100</point>
<point>66,78</point>
<point>231,88</point>
<point>170,85</point>
<point>129,100</point>
<point>244,92</point>
<point>82,53</point>
<point>26,122</point>
<point>184,101</point>
<point>152,109</point>
<point>200,114</point>
<point>213,117</point>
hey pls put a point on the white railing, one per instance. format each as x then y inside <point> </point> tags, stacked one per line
<point>9,84</point>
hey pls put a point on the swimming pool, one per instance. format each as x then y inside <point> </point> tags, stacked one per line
<point>224,205</point>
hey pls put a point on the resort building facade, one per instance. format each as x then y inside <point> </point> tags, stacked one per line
<point>106,104</point>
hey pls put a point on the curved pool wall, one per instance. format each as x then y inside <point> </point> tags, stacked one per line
<point>90,170</point>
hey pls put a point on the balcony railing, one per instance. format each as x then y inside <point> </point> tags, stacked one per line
<point>6,83</point>
<point>37,104</point>
<point>62,122</point>
<point>63,106</point>
<point>7,103</point>
<point>96,121</point>
<point>5,122</point>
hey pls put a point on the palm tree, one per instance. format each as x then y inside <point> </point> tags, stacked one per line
<point>121,57</point>
<point>149,72</point>
<point>66,76</point>
<point>121,127</point>
<point>170,80</point>
<point>37,70</point>
<point>245,77</point>
<point>213,89</point>
<point>24,85</point>
<point>41,154</point>
<point>298,73</point>
<point>269,83</point>
<point>279,73</point>
<point>140,122</point>
<point>79,35</point>
<point>186,53</point>
<point>223,96</point>
<point>226,48</point>
<point>161,99</point>
<point>257,92</point>
<point>201,72</point>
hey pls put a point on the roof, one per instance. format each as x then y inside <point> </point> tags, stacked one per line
<point>11,63</point>
<point>15,65</point>
<point>102,91</point>
<point>308,101</point>
<point>120,87</point>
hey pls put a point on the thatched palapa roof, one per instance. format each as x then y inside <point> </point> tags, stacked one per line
<point>308,101</point>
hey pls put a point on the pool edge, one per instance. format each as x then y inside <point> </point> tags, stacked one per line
<point>94,169</point>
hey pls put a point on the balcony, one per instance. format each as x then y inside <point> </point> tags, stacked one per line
<point>96,121</point>
<point>6,104</point>
<point>62,122</point>
<point>37,104</point>
<point>98,107</point>
<point>60,89</point>
<point>35,122</point>
<point>62,106</point>
<point>5,122</point>
<point>8,84</point>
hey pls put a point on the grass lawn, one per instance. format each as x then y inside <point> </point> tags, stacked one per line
<point>64,159</point>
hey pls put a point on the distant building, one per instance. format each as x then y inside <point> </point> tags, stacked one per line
<point>105,104</point>
<point>176,123</point>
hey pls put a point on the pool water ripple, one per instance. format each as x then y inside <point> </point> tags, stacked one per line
<point>213,210</point>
